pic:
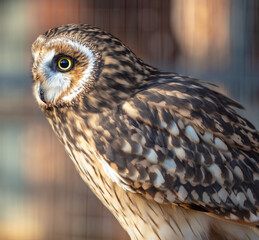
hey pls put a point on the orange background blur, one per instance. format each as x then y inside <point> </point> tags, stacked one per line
<point>41,195</point>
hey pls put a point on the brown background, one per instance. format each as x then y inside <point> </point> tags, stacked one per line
<point>41,195</point>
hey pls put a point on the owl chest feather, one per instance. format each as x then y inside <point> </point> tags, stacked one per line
<point>132,211</point>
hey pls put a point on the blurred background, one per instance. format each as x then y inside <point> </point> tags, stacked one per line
<point>41,195</point>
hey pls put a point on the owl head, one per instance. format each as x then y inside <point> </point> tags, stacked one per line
<point>72,62</point>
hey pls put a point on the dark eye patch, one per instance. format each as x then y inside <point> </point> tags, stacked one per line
<point>62,63</point>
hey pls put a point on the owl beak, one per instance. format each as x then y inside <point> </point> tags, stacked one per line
<point>41,94</point>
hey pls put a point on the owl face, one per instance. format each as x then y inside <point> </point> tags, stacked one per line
<point>62,68</point>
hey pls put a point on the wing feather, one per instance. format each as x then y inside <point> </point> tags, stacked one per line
<point>177,141</point>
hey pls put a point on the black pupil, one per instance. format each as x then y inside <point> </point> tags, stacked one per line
<point>64,63</point>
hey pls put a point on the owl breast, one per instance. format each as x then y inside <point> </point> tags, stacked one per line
<point>141,218</point>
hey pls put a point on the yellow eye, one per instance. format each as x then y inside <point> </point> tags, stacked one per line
<point>64,64</point>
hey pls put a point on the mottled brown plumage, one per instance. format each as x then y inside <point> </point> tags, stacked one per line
<point>165,153</point>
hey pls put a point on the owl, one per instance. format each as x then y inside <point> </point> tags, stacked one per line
<point>168,155</point>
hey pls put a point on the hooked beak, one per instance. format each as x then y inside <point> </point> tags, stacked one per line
<point>41,94</point>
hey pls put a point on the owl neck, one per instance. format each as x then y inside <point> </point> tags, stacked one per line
<point>113,88</point>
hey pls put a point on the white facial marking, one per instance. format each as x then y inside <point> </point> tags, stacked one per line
<point>45,61</point>
<point>87,73</point>
<point>57,82</point>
